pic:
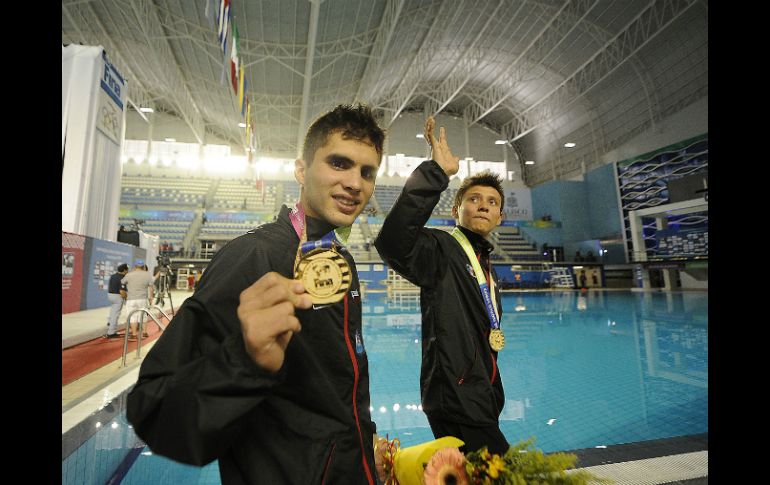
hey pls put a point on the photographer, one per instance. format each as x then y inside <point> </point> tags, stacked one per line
<point>161,278</point>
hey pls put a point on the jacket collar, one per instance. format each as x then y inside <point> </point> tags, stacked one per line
<point>316,228</point>
<point>479,243</point>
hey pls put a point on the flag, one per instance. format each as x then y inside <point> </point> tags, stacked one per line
<point>234,60</point>
<point>222,21</point>
<point>241,97</point>
<point>245,97</point>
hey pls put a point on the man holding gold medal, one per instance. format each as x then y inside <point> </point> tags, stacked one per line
<point>462,393</point>
<point>264,366</point>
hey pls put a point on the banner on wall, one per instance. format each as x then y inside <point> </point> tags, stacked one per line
<point>104,259</point>
<point>149,215</point>
<point>238,216</point>
<point>518,204</point>
<point>72,251</point>
<point>109,117</point>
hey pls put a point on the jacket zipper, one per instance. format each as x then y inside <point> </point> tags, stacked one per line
<point>355,392</point>
<point>461,380</point>
<point>328,462</point>
<point>494,367</point>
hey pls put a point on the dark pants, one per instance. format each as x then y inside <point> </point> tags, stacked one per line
<point>475,437</point>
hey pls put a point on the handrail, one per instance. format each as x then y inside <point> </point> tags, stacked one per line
<point>140,329</point>
<point>164,314</point>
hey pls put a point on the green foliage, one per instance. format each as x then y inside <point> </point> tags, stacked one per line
<point>522,464</point>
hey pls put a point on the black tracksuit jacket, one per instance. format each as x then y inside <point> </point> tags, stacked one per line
<point>459,379</point>
<point>199,396</point>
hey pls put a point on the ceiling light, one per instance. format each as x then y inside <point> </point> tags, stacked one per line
<point>529,162</point>
<point>569,145</point>
<point>242,125</point>
<point>500,142</point>
<point>146,110</point>
<point>170,139</point>
<point>420,135</point>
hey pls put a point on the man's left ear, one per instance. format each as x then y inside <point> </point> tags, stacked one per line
<point>299,171</point>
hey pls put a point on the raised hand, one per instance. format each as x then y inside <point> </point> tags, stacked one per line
<point>440,151</point>
<point>266,313</point>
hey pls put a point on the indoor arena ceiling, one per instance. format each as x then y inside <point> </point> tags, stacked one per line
<point>594,72</point>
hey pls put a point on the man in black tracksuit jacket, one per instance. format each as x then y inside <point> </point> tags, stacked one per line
<point>462,393</point>
<point>249,371</point>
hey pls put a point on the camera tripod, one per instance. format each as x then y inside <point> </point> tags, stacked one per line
<point>163,288</point>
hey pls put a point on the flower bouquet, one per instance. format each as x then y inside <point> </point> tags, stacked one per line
<point>440,462</point>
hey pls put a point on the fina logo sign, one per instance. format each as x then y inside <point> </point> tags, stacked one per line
<point>112,82</point>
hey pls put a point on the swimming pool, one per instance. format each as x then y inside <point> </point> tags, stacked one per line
<point>579,371</point>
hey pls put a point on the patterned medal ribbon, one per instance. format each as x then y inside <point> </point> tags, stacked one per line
<point>323,271</point>
<point>496,336</point>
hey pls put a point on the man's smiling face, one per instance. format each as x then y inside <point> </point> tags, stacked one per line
<point>338,183</point>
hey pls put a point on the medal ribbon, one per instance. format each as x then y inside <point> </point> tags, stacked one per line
<point>489,303</point>
<point>339,235</point>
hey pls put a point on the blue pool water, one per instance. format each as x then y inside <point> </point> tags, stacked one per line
<point>579,372</point>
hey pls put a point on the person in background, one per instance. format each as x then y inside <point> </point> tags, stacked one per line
<point>461,388</point>
<point>116,293</point>
<point>198,275</point>
<point>264,367</point>
<point>137,283</point>
<point>191,280</point>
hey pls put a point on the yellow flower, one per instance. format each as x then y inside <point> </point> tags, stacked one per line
<point>496,465</point>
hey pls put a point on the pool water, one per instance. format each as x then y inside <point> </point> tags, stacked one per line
<point>579,371</point>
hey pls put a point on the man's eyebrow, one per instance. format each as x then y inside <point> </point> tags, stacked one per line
<point>491,196</point>
<point>335,156</point>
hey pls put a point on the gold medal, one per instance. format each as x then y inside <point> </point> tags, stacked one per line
<point>325,274</point>
<point>496,339</point>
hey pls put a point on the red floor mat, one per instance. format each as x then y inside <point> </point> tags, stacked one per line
<point>85,358</point>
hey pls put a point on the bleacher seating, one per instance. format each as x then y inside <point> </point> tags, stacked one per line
<point>290,192</point>
<point>444,207</point>
<point>217,229</point>
<point>513,246</point>
<point>227,217</point>
<point>162,191</point>
<point>243,194</point>
<point>386,195</point>
<point>169,230</point>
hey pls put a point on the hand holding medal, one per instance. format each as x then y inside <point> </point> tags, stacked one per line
<point>266,313</point>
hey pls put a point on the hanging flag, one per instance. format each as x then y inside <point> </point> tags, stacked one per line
<point>252,135</point>
<point>223,21</point>
<point>248,127</point>
<point>234,60</point>
<point>245,85</point>
<point>226,58</point>
<point>241,97</point>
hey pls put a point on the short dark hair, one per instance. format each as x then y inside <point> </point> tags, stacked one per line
<point>352,121</point>
<point>486,179</point>
<point>122,267</point>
